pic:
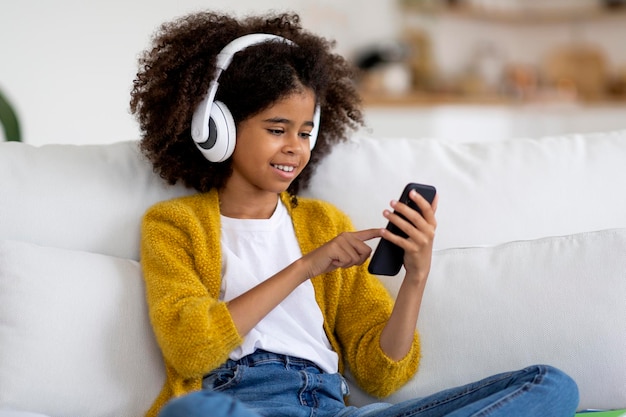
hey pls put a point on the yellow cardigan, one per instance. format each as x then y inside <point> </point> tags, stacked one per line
<point>181,261</point>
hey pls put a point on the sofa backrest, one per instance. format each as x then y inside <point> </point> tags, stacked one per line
<point>88,198</point>
<point>92,197</point>
<point>489,192</point>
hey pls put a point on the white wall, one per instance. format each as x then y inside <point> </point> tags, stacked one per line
<point>68,65</point>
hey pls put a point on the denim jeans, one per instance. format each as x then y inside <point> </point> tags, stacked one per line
<point>270,385</point>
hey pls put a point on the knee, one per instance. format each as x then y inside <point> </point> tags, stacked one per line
<point>565,382</point>
<point>562,386</point>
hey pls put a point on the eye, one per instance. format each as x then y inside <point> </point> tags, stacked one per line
<point>276,132</point>
<point>305,135</point>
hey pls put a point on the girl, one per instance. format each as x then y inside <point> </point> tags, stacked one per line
<point>259,299</point>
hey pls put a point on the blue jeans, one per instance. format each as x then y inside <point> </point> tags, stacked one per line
<point>266,384</point>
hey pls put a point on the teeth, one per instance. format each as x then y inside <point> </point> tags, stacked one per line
<point>284,168</point>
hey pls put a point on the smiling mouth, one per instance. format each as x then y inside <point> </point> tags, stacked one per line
<point>284,168</point>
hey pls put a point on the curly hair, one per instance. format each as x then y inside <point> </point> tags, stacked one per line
<point>175,73</point>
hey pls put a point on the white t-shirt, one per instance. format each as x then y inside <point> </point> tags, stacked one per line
<point>254,250</point>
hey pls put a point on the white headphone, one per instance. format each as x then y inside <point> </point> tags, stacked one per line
<point>212,125</point>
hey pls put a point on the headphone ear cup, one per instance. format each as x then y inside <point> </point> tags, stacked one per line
<point>316,127</point>
<point>220,144</point>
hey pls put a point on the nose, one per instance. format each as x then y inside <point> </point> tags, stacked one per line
<point>293,143</point>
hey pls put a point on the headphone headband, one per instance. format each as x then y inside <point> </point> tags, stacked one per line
<point>211,117</point>
<point>226,54</point>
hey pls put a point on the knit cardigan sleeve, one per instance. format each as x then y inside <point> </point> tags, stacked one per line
<point>193,328</point>
<point>356,306</point>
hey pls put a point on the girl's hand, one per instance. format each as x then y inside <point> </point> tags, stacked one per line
<point>420,230</point>
<point>346,250</point>
<point>397,337</point>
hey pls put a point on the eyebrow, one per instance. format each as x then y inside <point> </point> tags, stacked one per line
<point>286,121</point>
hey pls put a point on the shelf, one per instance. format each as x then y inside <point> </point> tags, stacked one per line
<point>418,99</point>
<point>520,16</point>
<point>532,17</point>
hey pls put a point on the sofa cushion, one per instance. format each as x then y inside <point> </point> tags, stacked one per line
<point>75,334</point>
<point>88,197</point>
<point>558,300</point>
<point>490,192</point>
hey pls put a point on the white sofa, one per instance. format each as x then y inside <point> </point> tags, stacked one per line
<point>529,267</point>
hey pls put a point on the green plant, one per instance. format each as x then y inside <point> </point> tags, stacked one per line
<point>9,121</point>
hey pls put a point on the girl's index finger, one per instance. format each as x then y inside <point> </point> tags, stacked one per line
<point>367,234</point>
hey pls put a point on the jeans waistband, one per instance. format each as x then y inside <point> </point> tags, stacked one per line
<point>262,357</point>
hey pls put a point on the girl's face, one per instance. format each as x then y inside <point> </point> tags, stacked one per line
<point>273,147</point>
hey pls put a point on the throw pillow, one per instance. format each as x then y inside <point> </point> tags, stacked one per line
<point>75,334</point>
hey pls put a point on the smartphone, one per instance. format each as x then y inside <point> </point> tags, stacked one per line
<point>388,257</point>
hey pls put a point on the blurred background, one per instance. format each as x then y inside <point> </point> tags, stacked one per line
<point>463,70</point>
